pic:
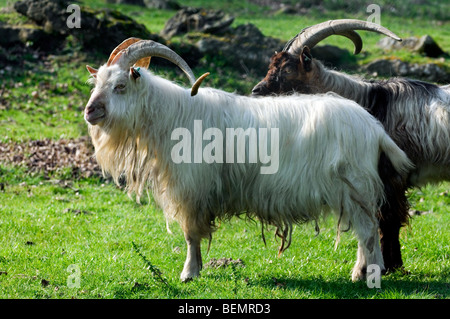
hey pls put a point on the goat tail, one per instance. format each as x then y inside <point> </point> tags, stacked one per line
<point>402,164</point>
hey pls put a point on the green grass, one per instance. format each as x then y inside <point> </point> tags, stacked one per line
<point>122,249</point>
<point>94,225</point>
<point>45,102</point>
<point>57,112</point>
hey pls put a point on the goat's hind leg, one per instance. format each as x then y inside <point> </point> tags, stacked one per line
<point>369,251</point>
<point>394,214</point>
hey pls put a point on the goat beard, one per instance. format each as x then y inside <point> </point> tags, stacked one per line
<point>123,152</point>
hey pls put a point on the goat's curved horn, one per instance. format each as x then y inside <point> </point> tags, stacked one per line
<point>125,44</point>
<point>194,89</point>
<point>148,48</point>
<point>352,35</point>
<point>312,35</point>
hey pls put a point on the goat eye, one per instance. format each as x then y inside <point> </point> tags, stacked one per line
<point>119,88</point>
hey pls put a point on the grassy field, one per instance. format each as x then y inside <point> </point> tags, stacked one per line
<point>52,223</point>
<point>48,225</point>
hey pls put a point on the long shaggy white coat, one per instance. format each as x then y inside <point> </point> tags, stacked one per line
<point>328,149</point>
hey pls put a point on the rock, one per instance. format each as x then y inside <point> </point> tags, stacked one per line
<point>33,37</point>
<point>199,20</point>
<point>429,47</point>
<point>244,47</point>
<point>389,44</point>
<point>380,67</point>
<point>9,35</point>
<point>188,51</point>
<point>424,45</point>
<point>426,72</point>
<point>101,30</point>
<point>333,57</point>
<point>50,14</point>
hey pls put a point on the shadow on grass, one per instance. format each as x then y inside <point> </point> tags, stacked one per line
<point>395,285</point>
<point>400,287</point>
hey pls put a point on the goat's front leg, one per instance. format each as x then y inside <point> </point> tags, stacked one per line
<point>193,263</point>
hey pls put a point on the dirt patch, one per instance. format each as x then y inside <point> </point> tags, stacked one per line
<point>48,156</point>
<point>223,262</point>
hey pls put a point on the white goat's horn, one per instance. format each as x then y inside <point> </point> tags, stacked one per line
<point>148,48</point>
<point>195,87</point>
<point>312,35</point>
<point>125,44</point>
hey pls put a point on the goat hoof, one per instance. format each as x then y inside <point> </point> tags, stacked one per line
<point>358,274</point>
<point>186,279</point>
<point>187,276</point>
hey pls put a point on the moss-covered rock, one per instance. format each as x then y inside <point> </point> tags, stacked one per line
<point>197,20</point>
<point>394,67</point>
<point>424,45</point>
<point>244,48</point>
<point>98,30</point>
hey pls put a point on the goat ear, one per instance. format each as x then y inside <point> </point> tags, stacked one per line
<point>92,71</point>
<point>306,59</point>
<point>134,72</point>
<point>143,63</point>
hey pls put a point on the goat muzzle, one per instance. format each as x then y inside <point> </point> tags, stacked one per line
<point>260,89</point>
<point>95,113</point>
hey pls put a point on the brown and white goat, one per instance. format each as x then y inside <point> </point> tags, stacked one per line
<point>415,114</point>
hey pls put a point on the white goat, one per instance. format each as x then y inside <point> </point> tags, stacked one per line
<point>328,151</point>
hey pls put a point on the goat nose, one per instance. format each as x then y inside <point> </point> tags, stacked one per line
<point>89,109</point>
<point>94,112</point>
<point>258,89</point>
<point>255,90</point>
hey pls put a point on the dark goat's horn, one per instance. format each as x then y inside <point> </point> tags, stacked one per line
<point>345,27</point>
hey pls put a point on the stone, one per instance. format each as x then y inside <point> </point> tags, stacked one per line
<point>429,47</point>
<point>333,57</point>
<point>424,45</point>
<point>244,48</point>
<point>49,13</point>
<point>100,30</point>
<point>198,20</point>
<point>430,72</point>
